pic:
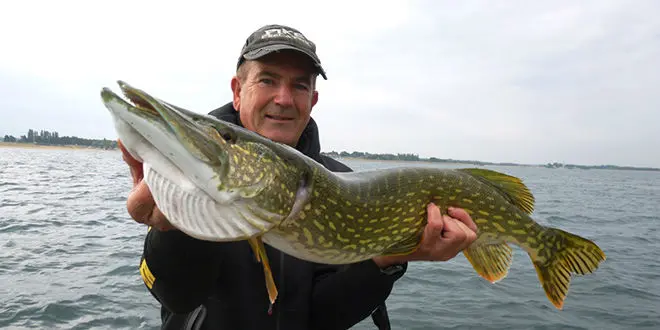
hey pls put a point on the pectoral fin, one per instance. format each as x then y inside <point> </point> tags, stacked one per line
<point>490,261</point>
<point>260,252</point>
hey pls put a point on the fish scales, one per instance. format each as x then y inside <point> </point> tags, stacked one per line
<point>261,191</point>
<point>394,218</point>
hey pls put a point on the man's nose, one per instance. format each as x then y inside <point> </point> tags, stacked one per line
<point>284,96</point>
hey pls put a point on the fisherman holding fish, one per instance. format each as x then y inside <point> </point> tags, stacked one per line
<point>211,285</point>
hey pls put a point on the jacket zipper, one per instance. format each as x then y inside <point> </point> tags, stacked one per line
<point>277,322</point>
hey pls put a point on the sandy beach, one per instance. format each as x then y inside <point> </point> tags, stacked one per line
<point>37,146</point>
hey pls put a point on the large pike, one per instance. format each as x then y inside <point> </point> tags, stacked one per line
<point>219,182</point>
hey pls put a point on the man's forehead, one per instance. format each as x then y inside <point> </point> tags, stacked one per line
<point>299,66</point>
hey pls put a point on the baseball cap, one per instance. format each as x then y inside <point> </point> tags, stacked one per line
<point>273,37</point>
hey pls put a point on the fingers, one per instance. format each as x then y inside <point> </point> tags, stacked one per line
<point>463,216</point>
<point>432,231</point>
<point>134,165</point>
<point>444,236</point>
<point>143,209</point>
<point>127,156</point>
<point>458,234</point>
<point>435,223</point>
<point>140,203</point>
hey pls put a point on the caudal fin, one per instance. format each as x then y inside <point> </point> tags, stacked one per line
<point>571,254</point>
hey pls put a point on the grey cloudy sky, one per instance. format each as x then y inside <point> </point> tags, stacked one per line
<point>510,81</point>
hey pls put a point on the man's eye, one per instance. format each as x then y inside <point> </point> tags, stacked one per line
<point>301,87</point>
<point>266,81</point>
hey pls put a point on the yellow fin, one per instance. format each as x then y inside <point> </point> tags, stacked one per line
<point>254,244</point>
<point>511,187</point>
<point>260,252</point>
<point>490,261</point>
<point>578,256</point>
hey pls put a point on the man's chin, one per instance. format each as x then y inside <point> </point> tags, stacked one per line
<point>282,135</point>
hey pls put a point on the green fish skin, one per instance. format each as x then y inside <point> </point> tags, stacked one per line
<point>220,182</point>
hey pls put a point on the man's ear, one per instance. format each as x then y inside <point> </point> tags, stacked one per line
<point>315,98</point>
<point>236,90</point>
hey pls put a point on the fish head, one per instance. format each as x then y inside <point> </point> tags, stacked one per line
<point>252,162</point>
<point>213,154</point>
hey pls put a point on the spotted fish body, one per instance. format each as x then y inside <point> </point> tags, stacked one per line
<point>356,217</point>
<point>217,181</point>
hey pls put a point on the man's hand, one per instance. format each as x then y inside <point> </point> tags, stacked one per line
<point>140,203</point>
<point>444,237</point>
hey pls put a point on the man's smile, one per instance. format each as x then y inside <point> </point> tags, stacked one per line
<point>278,118</point>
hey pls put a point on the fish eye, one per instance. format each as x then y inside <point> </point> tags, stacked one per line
<point>228,136</point>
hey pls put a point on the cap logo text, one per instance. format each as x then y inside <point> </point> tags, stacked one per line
<point>284,33</point>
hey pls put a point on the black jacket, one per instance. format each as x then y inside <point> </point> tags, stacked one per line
<point>224,283</point>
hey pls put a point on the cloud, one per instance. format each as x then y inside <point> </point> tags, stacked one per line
<point>516,81</point>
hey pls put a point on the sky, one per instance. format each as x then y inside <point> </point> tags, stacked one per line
<point>502,81</point>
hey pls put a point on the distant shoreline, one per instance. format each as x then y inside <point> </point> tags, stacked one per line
<point>479,164</point>
<point>425,161</point>
<point>46,146</point>
<point>452,162</point>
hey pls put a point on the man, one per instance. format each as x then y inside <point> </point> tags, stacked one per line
<point>220,285</point>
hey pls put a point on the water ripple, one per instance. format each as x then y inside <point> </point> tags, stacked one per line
<point>69,253</point>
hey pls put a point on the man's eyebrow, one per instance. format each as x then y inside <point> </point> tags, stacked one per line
<point>269,73</point>
<point>300,79</point>
<point>304,79</point>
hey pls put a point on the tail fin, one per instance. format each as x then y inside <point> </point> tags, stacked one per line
<point>575,255</point>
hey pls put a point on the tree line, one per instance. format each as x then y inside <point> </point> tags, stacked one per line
<point>415,157</point>
<point>367,155</point>
<point>404,157</point>
<point>44,137</point>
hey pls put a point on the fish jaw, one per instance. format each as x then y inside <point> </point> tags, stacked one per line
<point>148,138</point>
<point>187,189</point>
<point>194,131</point>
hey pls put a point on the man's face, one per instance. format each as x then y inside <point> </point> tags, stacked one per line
<point>275,95</point>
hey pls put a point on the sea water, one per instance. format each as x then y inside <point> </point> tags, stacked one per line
<point>69,252</point>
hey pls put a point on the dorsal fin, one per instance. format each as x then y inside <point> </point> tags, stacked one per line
<point>512,188</point>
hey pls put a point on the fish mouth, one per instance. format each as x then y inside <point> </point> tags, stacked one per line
<point>197,134</point>
<point>172,136</point>
<point>132,101</point>
<point>137,101</point>
<point>186,162</point>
